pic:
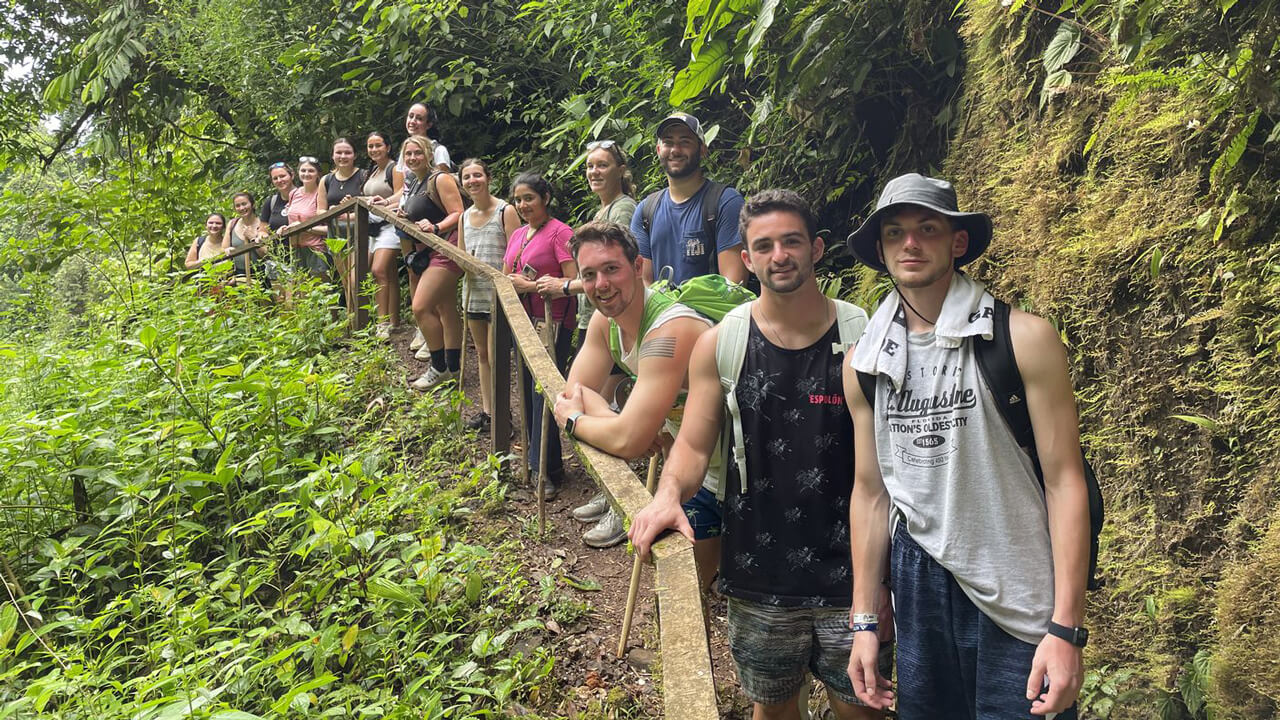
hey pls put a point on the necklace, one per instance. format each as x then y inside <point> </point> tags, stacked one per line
<point>777,339</point>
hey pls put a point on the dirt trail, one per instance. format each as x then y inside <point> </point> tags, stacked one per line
<point>590,675</point>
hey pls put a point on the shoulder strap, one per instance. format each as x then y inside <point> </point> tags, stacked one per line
<point>710,213</point>
<point>390,179</point>
<point>649,208</point>
<point>851,321</point>
<point>731,350</point>
<point>999,370</point>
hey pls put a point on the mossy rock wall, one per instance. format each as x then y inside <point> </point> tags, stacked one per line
<point>1106,214</point>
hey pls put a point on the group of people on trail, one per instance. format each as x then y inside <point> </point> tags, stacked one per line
<point>853,485</point>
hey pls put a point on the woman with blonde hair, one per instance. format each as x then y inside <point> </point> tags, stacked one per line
<point>433,200</point>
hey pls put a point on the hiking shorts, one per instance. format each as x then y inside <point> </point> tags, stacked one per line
<point>774,646</point>
<point>703,511</point>
<point>950,654</point>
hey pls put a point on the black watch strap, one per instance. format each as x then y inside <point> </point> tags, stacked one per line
<point>1077,636</point>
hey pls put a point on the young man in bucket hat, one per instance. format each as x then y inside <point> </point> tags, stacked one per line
<point>987,567</point>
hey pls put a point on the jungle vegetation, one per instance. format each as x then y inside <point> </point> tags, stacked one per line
<point>204,517</point>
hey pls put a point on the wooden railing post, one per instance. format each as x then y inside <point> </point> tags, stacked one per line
<point>501,344</point>
<point>360,317</point>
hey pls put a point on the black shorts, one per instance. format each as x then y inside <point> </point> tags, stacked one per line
<point>479,316</point>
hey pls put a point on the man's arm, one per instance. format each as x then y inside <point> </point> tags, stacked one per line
<point>663,360</point>
<point>1042,361</point>
<point>686,466</point>
<point>869,543</point>
<point>731,265</point>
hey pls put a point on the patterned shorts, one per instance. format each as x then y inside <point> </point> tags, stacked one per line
<point>703,511</point>
<point>773,646</point>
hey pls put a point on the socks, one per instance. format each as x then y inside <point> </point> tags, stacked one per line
<point>438,360</point>
<point>452,358</point>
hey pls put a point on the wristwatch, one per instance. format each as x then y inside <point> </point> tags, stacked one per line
<point>565,290</point>
<point>570,422</point>
<point>1077,636</point>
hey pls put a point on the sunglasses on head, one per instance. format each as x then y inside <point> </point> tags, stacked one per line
<point>309,159</point>
<point>600,144</point>
<point>278,165</point>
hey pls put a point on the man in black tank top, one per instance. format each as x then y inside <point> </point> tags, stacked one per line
<point>785,564</point>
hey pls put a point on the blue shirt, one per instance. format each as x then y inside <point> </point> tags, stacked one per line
<point>676,239</point>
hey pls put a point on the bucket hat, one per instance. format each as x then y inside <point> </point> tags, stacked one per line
<point>926,192</point>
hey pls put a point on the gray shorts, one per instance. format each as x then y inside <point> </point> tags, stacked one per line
<point>773,646</point>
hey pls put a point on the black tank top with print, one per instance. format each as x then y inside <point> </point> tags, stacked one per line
<point>786,539</point>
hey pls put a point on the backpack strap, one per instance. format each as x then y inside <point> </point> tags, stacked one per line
<point>852,320</point>
<point>999,370</point>
<point>649,208</point>
<point>390,177</point>
<point>710,213</point>
<point>731,350</point>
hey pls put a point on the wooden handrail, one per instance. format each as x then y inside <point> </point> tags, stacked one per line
<point>311,222</point>
<point>688,687</point>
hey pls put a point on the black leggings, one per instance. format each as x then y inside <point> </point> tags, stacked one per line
<point>533,409</point>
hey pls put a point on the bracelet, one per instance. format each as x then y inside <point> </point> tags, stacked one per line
<point>864,627</point>
<point>872,618</point>
<point>565,289</point>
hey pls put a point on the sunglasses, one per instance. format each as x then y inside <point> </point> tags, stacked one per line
<point>278,165</point>
<point>599,144</point>
<point>309,159</point>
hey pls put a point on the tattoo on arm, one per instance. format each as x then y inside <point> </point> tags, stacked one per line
<point>663,347</point>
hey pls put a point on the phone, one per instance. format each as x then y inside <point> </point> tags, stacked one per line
<point>528,272</point>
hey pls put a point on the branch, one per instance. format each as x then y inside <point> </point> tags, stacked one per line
<point>202,138</point>
<point>66,137</point>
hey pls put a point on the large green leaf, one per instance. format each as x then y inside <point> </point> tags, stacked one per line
<point>1063,47</point>
<point>763,21</point>
<point>700,74</point>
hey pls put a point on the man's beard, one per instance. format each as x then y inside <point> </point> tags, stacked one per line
<point>693,166</point>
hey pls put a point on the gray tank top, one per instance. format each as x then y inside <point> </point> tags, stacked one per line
<point>967,493</point>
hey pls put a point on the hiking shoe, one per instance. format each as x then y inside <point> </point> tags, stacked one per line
<point>555,482</point>
<point>382,331</point>
<point>479,423</point>
<point>593,510</point>
<point>417,342</point>
<point>423,354</point>
<point>606,533</point>
<point>431,378</point>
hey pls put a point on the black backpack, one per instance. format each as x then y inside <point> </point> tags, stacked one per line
<point>999,370</point>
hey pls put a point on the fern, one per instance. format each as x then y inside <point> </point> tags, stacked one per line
<point>1227,161</point>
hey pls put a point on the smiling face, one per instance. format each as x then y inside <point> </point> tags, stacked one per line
<point>344,155</point>
<point>243,205</point>
<point>475,180</point>
<point>919,246</point>
<point>531,206</point>
<point>377,148</point>
<point>282,179</point>
<point>604,173</point>
<point>679,151</point>
<point>309,174</point>
<point>416,120</point>
<point>608,279</point>
<point>780,252</point>
<point>213,225</point>
<point>415,158</point>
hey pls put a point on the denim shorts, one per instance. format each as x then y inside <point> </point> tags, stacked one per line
<point>774,646</point>
<point>703,511</point>
<point>950,654</point>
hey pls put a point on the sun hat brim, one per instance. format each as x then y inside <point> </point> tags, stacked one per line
<point>865,241</point>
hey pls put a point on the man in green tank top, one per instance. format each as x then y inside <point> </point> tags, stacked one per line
<point>651,338</point>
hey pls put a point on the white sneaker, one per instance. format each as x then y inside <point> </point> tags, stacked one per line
<point>593,510</point>
<point>424,354</point>
<point>418,341</point>
<point>382,331</point>
<point>606,533</point>
<point>432,378</point>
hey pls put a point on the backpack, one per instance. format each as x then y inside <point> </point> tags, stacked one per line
<point>711,296</point>
<point>999,370</point>
<point>731,350</point>
<point>710,213</point>
<point>434,193</point>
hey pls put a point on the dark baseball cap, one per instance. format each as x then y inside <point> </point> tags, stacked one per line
<point>685,119</point>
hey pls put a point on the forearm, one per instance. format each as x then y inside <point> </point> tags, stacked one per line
<point>1068,505</point>
<point>869,538</point>
<point>682,472</point>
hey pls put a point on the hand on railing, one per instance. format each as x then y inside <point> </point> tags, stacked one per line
<point>522,284</point>
<point>663,513</point>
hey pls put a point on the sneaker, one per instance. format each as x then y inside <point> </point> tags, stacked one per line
<point>606,533</point>
<point>432,378</point>
<point>418,341</point>
<point>423,354</point>
<point>479,423</point>
<point>551,490</point>
<point>382,331</point>
<point>595,509</point>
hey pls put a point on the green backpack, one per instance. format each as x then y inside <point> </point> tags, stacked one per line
<point>711,296</point>
<point>731,350</point>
